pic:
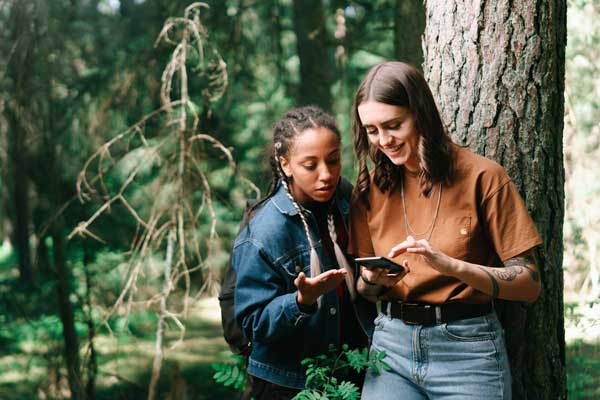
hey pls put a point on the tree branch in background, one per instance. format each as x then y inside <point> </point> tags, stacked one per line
<point>173,164</point>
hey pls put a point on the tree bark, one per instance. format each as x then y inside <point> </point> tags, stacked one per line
<point>67,315</point>
<point>19,71</point>
<point>316,59</point>
<point>19,214</point>
<point>496,69</point>
<point>409,26</point>
<point>92,363</point>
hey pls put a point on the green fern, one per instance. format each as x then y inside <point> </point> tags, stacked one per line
<point>322,373</point>
<point>231,374</point>
<point>344,391</point>
<point>356,358</point>
<point>310,394</point>
<point>377,362</point>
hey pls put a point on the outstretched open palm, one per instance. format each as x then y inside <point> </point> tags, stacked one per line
<point>310,289</point>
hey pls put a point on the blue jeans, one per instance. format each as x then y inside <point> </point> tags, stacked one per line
<point>460,360</point>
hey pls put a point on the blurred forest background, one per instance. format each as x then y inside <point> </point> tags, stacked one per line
<point>123,180</point>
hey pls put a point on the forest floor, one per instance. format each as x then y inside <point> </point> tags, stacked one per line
<point>125,360</point>
<point>582,335</point>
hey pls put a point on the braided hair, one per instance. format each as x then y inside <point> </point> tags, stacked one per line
<point>293,123</point>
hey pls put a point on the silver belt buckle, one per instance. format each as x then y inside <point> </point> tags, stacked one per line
<point>438,315</point>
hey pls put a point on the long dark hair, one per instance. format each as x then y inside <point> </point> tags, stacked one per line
<point>399,84</point>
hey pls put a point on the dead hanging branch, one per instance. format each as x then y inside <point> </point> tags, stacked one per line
<point>175,163</point>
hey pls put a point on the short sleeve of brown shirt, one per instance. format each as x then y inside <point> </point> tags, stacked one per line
<point>482,219</point>
<point>361,246</point>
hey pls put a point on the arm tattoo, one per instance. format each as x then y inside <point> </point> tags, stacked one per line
<point>495,286</point>
<point>508,273</point>
<point>521,263</point>
<point>524,260</point>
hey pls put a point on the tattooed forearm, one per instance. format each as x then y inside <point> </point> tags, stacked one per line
<point>522,262</point>
<point>534,274</point>
<point>508,273</point>
<point>495,286</point>
<point>519,261</point>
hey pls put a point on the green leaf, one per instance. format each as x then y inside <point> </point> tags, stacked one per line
<point>348,391</point>
<point>307,361</point>
<point>232,374</point>
<point>307,395</point>
<point>358,359</point>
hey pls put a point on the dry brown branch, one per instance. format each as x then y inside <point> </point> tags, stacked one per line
<point>83,185</point>
<point>252,186</point>
<point>217,144</point>
<point>160,330</point>
<point>168,225</point>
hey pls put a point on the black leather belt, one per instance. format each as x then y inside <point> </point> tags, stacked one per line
<point>432,314</point>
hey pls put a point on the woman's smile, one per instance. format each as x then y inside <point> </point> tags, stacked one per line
<point>393,150</point>
<point>392,130</point>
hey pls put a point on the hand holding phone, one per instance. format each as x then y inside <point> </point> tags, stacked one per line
<point>381,262</point>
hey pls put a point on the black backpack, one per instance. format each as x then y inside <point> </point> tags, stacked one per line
<point>238,344</point>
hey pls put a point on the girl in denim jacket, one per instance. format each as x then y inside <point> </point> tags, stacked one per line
<point>295,291</point>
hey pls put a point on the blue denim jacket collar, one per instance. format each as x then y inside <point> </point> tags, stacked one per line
<point>284,204</point>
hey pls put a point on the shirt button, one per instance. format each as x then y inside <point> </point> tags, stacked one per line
<point>332,311</point>
<point>463,231</point>
<point>298,269</point>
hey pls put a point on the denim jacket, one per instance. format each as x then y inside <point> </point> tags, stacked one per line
<point>268,255</point>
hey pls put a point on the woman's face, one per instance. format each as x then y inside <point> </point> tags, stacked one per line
<point>392,130</point>
<point>314,164</point>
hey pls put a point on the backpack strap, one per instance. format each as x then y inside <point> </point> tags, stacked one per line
<point>238,344</point>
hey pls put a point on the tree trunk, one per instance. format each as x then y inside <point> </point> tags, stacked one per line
<point>67,315</point>
<point>497,71</point>
<point>19,196</point>
<point>316,61</point>
<point>409,25</point>
<point>92,363</point>
<point>19,72</point>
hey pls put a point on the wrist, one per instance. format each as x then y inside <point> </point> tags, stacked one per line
<point>366,281</point>
<point>457,267</point>
<point>304,301</point>
<point>370,289</point>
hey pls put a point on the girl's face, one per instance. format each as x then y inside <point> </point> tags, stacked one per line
<point>392,130</point>
<point>314,164</point>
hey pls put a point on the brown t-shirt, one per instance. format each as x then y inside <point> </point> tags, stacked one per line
<point>482,219</point>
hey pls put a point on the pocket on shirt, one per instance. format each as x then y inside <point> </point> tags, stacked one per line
<point>457,237</point>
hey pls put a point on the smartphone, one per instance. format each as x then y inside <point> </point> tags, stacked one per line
<point>380,262</point>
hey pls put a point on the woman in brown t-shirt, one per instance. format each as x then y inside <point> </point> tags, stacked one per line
<point>456,221</point>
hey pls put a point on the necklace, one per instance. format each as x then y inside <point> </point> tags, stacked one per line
<point>429,230</point>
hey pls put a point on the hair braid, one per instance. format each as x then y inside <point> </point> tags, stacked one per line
<point>293,123</point>
<point>340,257</point>
<point>315,264</point>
